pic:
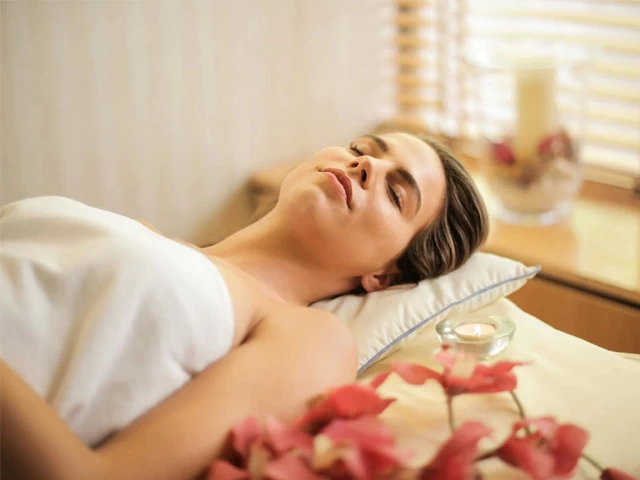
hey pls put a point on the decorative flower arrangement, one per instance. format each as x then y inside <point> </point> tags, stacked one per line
<point>554,147</point>
<point>341,436</point>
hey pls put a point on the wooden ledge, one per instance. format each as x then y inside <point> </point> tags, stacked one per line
<point>597,250</point>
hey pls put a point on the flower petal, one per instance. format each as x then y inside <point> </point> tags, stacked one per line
<point>355,464</point>
<point>569,441</point>
<point>372,438</point>
<point>615,474</point>
<point>488,384</point>
<point>349,401</point>
<point>414,373</point>
<point>523,453</point>
<point>503,153</point>
<point>464,439</point>
<point>464,367</point>
<point>290,467</point>
<point>355,400</point>
<point>225,471</point>
<point>244,434</point>
<point>447,356</point>
<point>545,426</point>
<point>283,438</point>
<point>454,460</point>
<point>380,379</point>
<point>369,431</point>
<point>467,376</point>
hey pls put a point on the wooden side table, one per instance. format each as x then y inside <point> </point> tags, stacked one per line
<point>589,285</point>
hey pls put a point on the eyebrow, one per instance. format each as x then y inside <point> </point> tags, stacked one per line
<point>411,181</point>
<point>403,172</point>
<point>381,143</point>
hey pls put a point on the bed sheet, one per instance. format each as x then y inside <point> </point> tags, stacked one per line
<point>569,378</point>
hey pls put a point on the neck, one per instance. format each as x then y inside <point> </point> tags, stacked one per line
<point>269,252</point>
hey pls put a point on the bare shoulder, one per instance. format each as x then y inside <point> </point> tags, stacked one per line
<point>311,321</point>
<point>313,336</point>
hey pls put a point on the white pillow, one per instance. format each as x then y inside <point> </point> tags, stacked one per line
<point>383,321</point>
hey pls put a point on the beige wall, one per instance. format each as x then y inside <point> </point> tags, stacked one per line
<point>161,110</point>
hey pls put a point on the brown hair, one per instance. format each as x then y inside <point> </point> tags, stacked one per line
<point>459,229</point>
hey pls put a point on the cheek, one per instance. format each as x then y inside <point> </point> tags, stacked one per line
<point>327,156</point>
<point>386,234</point>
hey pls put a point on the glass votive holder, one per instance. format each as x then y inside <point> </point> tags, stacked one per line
<point>529,98</point>
<point>484,336</point>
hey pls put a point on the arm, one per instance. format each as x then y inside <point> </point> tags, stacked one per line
<point>35,443</point>
<point>180,437</point>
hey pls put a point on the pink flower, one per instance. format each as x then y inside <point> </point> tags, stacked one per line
<point>281,438</point>
<point>289,467</point>
<point>461,374</point>
<point>225,471</point>
<point>545,147</point>
<point>551,451</point>
<point>454,460</point>
<point>557,144</point>
<point>349,401</point>
<point>367,448</point>
<point>258,448</point>
<point>615,474</point>
<point>503,154</point>
<point>245,434</point>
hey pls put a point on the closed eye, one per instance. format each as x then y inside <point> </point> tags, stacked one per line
<point>354,148</point>
<point>395,196</point>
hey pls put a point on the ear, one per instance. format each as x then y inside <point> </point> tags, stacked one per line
<point>380,280</point>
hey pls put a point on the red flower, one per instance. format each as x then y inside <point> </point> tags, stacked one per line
<point>503,154</point>
<point>289,467</point>
<point>557,144</point>
<point>380,379</point>
<point>367,448</point>
<point>282,438</point>
<point>244,434</point>
<point>258,448</point>
<point>349,401</point>
<point>454,460</point>
<point>225,471</point>
<point>461,374</point>
<point>615,474</point>
<point>551,451</point>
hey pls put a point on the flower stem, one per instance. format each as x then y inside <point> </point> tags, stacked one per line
<point>450,410</point>
<point>485,456</point>
<point>592,462</point>
<point>518,404</point>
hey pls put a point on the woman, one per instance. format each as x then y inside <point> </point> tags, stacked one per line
<point>385,210</point>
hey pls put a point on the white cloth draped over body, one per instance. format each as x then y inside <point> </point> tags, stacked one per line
<point>101,316</point>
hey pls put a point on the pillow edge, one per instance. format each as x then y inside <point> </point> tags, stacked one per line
<point>530,273</point>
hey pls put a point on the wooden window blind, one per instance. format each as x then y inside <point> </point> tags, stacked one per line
<point>435,89</point>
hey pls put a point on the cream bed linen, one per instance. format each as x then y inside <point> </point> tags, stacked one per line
<point>570,379</point>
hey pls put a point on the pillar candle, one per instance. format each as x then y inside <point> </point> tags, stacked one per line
<point>536,108</point>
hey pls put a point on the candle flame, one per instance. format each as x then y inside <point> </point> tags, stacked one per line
<point>477,330</point>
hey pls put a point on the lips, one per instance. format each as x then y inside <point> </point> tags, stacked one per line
<point>344,180</point>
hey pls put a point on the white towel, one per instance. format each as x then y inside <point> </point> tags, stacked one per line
<point>102,317</point>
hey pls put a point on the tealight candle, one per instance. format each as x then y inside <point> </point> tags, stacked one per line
<point>475,331</point>
<point>481,335</point>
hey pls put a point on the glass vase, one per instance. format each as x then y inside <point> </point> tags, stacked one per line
<point>529,99</point>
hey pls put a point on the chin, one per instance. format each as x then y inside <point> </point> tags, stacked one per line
<point>312,212</point>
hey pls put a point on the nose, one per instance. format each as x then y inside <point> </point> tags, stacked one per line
<point>365,170</point>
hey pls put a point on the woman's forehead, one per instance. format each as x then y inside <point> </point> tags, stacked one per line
<point>410,148</point>
<point>414,153</point>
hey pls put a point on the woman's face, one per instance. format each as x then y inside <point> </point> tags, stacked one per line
<point>356,208</point>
